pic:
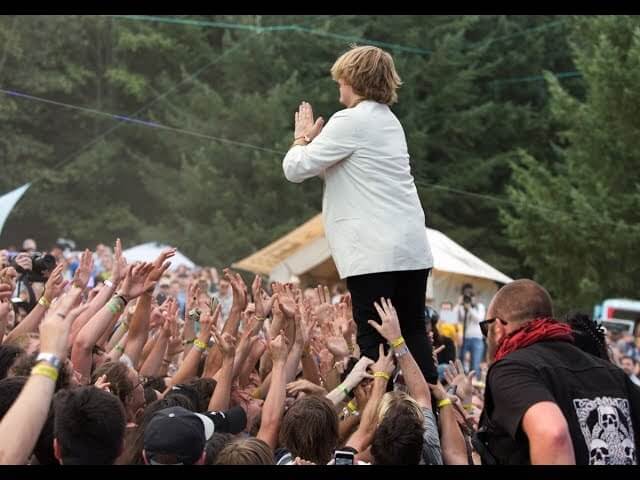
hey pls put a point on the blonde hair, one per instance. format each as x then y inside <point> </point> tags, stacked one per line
<point>396,399</point>
<point>371,73</point>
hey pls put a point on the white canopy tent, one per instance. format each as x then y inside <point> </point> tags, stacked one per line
<point>148,252</point>
<point>305,252</point>
<point>8,201</point>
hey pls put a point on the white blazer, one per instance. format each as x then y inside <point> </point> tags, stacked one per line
<point>372,215</point>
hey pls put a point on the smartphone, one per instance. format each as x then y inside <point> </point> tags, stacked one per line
<point>343,457</point>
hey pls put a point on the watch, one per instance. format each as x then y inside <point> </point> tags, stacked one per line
<point>49,358</point>
<point>401,350</point>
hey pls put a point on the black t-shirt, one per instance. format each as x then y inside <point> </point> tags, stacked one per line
<point>600,404</point>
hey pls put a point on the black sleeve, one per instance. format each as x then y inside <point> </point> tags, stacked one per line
<point>449,352</point>
<point>515,388</point>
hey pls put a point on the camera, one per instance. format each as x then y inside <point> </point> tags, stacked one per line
<point>41,264</point>
<point>466,299</point>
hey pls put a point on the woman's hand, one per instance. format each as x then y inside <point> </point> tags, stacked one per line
<point>304,124</point>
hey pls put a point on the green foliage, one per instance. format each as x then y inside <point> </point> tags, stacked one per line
<point>577,221</point>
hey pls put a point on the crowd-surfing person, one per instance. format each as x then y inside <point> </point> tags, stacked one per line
<point>114,374</point>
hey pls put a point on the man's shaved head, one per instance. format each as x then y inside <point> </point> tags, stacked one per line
<point>521,300</point>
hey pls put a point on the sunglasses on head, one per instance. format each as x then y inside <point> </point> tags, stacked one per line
<point>484,325</point>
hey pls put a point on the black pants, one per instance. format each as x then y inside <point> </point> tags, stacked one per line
<point>406,290</point>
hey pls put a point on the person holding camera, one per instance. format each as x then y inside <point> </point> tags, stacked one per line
<point>470,313</point>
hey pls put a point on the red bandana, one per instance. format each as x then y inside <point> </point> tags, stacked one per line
<point>536,331</point>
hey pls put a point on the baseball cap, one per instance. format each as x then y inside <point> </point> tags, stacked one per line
<point>182,433</point>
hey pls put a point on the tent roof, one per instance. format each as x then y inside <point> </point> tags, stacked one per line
<point>148,252</point>
<point>265,260</point>
<point>305,247</point>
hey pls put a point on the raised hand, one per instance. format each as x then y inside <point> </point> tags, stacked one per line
<point>287,303</point>
<point>164,255</point>
<point>304,386</point>
<point>6,291</point>
<point>102,383</point>
<point>384,363</point>
<point>226,342</point>
<point>83,272</point>
<point>119,268</point>
<point>304,124</point>
<point>454,374</point>
<point>238,288</point>
<point>138,280</point>
<point>23,260</point>
<point>279,348</point>
<point>390,327</point>
<point>55,284</point>
<point>8,277</point>
<point>359,370</point>
<point>337,345</point>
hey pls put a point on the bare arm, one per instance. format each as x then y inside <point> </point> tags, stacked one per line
<point>22,424</point>
<point>139,327</point>
<point>257,350</point>
<point>390,330</point>
<point>363,436</point>
<point>224,378</point>
<point>273,408</point>
<point>53,289</point>
<point>452,444</point>
<point>82,349</point>
<point>153,362</point>
<point>189,366</point>
<point>548,433</point>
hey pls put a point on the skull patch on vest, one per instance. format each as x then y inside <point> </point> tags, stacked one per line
<point>605,423</point>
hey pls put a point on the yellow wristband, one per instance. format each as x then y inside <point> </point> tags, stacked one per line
<point>444,403</point>
<point>384,375</point>
<point>468,406</point>
<point>44,302</point>
<point>199,344</point>
<point>397,342</point>
<point>45,371</point>
<point>352,406</point>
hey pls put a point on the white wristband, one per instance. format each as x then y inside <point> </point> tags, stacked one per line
<point>108,283</point>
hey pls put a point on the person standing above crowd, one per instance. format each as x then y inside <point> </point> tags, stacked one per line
<point>373,219</point>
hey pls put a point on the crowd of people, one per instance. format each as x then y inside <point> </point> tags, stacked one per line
<point>106,362</point>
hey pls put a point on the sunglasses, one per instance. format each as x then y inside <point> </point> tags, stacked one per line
<point>484,325</point>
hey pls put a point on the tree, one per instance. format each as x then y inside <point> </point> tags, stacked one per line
<point>577,221</point>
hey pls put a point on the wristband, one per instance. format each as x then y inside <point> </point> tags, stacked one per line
<point>344,389</point>
<point>401,351</point>
<point>44,302</point>
<point>49,358</point>
<point>123,298</point>
<point>115,306</point>
<point>45,371</point>
<point>468,407</point>
<point>384,375</point>
<point>199,345</point>
<point>444,402</point>
<point>353,408</point>
<point>108,283</point>
<point>397,342</point>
